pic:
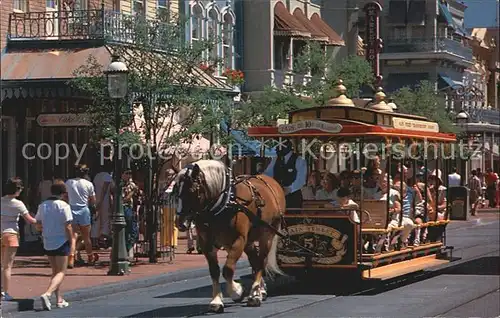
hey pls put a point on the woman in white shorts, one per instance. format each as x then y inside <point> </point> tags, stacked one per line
<point>81,195</point>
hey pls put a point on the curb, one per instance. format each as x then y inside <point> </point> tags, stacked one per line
<point>489,210</point>
<point>9,307</point>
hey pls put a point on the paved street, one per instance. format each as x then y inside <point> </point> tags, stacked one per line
<point>468,290</point>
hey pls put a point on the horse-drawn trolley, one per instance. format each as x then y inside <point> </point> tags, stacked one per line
<point>380,211</point>
<point>383,233</point>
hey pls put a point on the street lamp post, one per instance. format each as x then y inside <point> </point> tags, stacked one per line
<point>461,119</point>
<point>117,77</point>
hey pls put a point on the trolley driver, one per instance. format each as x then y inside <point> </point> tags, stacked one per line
<point>290,170</point>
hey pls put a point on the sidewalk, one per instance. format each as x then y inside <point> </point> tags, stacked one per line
<point>30,275</point>
<point>488,210</point>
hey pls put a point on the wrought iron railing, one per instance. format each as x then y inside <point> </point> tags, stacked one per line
<point>60,25</point>
<point>440,44</point>
<point>89,25</point>
<point>136,29</point>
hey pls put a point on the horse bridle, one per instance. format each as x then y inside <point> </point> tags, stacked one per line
<point>215,206</point>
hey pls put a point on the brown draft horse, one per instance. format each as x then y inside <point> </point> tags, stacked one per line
<point>234,214</point>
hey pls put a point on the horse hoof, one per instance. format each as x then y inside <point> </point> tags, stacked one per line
<point>264,296</point>
<point>216,308</point>
<point>254,302</point>
<point>239,300</point>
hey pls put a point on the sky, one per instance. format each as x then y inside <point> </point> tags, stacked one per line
<point>481,13</point>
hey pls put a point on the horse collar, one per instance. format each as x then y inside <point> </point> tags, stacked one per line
<point>226,196</point>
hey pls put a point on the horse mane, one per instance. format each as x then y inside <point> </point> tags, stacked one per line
<point>214,172</point>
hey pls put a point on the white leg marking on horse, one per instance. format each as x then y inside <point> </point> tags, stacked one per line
<point>263,289</point>
<point>216,305</point>
<point>235,290</point>
<point>255,297</point>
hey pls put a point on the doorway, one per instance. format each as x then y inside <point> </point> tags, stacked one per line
<point>8,145</point>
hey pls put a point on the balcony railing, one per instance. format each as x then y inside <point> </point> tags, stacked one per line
<point>428,45</point>
<point>88,25</point>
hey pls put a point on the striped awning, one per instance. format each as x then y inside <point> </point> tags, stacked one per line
<point>316,33</point>
<point>285,24</point>
<point>333,37</point>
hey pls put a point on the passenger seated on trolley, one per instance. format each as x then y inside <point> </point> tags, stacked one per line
<point>313,185</point>
<point>373,166</point>
<point>345,179</point>
<point>436,184</point>
<point>329,187</point>
<point>371,186</point>
<point>394,206</point>
<point>420,203</point>
<point>355,185</point>
<point>407,222</point>
<point>344,201</point>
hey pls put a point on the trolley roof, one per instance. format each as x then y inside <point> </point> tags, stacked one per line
<point>341,119</point>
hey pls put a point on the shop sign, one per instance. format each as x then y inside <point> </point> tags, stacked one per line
<point>63,120</point>
<point>373,43</point>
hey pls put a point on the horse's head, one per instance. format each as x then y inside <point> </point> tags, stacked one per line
<point>187,190</point>
<point>195,187</point>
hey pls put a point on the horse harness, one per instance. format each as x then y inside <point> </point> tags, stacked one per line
<point>229,202</point>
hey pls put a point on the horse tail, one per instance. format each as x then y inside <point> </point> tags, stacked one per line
<point>272,267</point>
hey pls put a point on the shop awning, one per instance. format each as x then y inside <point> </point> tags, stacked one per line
<point>449,82</point>
<point>54,64</point>
<point>285,24</point>
<point>244,145</point>
<point>316,33</point>
<point>61,65</point>
<point>446,14</point>
<point>333,37</point>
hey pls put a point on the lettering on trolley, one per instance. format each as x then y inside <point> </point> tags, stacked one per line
<point>310,124</point>
<point>322,239</point>
<point>417,125</point>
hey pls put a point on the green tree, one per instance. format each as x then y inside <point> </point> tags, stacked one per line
<point>426,102</point>
<point>274,103</point>
<point>168,103</point>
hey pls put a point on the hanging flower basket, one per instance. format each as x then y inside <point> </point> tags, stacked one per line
<point>234,77</point>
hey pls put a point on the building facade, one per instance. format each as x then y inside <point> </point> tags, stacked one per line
<point>213,20</point>
<point>43,43</point>
<point>486,68</point>
<point>424,40</point>
<point>272,33</point>
<point>481,98</point>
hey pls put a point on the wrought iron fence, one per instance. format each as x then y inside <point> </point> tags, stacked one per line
<point>97,24</point>
<point>164,226</point>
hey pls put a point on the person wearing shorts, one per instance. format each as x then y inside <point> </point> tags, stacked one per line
<point>54,218</point>
<point>81,194</point>
<point>11,208</point>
